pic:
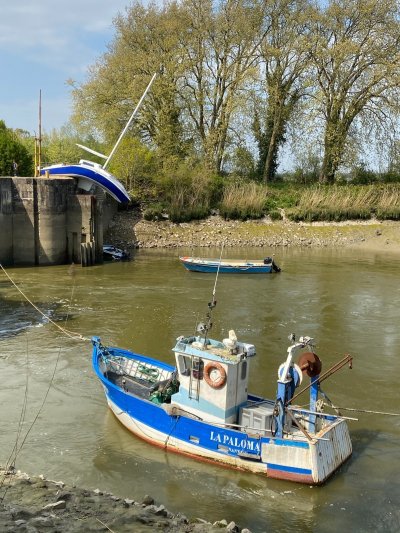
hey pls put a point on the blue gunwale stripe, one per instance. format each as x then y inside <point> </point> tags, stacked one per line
<point>289,469</point>
<point>292,443</point>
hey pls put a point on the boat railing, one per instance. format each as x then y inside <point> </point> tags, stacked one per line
<point>136,369</point>
<point>145,371</point>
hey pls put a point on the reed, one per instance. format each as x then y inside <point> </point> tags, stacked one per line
<point>347,202</point>
<point>243,201</point>
<point>190,196</point>
<point>189,199</point>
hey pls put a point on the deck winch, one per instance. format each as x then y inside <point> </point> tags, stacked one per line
<point>290,376</point>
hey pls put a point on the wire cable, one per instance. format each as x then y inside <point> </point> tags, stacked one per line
<point>71,334</point>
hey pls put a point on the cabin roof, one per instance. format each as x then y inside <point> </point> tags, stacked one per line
<point>210,349</point>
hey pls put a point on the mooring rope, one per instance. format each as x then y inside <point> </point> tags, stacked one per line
<point>18,447</point>
<point>70,334</point>
<point>10,466</point>
<point>365,411</point>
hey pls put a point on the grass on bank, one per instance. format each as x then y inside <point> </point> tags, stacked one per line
<point>347,202</point>
<point>195,198</point>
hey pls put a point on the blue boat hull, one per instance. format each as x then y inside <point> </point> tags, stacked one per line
<point>288,459</point>
<point>244,268</point>
<point>90,174</point>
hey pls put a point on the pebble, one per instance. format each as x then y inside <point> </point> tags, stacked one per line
<point>130,232</point>
<point>37,504</point>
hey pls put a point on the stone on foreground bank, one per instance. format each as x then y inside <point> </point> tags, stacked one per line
<point>36,504</point>
<point>129,231</point>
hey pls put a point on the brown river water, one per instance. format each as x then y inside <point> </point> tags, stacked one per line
<point>348,300</point>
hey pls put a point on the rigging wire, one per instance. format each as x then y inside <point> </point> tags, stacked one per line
<point>17,448</point>
<point>68,333</point>
<point>365,411</point>
<point>213,303</point>
<point>10,463</point>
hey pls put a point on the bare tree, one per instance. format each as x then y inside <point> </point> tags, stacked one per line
<point>221,45</point>
<point>355,53</point>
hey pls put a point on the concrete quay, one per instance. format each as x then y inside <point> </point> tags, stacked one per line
<point>49,221</point>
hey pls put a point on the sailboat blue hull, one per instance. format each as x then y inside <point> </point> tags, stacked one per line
<point>90,174</point>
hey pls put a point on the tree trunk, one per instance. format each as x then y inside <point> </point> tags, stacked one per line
<point>272,152</point>
<point>334,142</point>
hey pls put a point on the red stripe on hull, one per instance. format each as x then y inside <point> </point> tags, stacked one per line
<point>282,475</point>
<point>273,474</point>
<point>291,476</point>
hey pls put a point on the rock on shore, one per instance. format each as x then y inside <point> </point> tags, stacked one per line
<point>127,230</point>
<point>36,504</point>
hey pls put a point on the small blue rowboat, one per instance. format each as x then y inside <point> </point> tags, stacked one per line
<point>233,266</point>
<point>90,174</point>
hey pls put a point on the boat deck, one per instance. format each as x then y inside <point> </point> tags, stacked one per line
<point>135,386</point>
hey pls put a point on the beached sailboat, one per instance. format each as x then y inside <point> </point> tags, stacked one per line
<point>200,406</point>
<point>90,173</point>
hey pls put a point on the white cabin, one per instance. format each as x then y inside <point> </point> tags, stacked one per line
<point>213,377</point>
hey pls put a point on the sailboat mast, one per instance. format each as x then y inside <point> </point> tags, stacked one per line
<point>40,133</point>
<point>130,120</point>
<point>38,140</point>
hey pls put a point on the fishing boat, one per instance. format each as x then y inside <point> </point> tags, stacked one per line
<point>91,174</point>
<point>233,266</point>
<point>200,406</point>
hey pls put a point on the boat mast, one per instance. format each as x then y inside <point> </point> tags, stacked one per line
<point>130,120</point>
<point>38,140</point>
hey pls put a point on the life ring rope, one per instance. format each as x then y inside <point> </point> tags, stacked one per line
<point>212,368</point>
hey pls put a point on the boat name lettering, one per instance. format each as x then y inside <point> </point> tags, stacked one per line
<point>236,442</point>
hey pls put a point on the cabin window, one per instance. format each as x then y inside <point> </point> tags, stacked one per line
<point>198,367</point>
<point>184,365</point>
<point>195,440</point>
<point>244,370</point>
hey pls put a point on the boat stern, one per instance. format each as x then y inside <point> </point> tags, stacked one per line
<point>330,451</point>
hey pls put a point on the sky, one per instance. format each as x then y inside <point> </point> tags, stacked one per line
<point>43,43</point>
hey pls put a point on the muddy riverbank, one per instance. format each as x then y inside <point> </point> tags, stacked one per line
<point>129,231</point>
<point>36,504</point>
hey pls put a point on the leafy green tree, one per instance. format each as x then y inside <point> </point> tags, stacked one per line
<point>60,146</point>
<point>284,61</point>
<point>147,38</point>
<point>137,166</point>
<point>242,162</point>
<point>13,150</point>
<point>355,52</point>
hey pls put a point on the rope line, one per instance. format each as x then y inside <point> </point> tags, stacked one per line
<point>12,459</point>
<point>365,411</point>
<point>68,333</point>
<point>10,467</point>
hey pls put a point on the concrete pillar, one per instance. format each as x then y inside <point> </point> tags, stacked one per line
<point>24,221</point>
<point>43,221</point>
<point>53,196</point>
<point>6,222</point>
